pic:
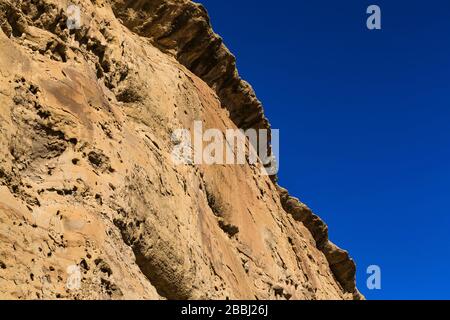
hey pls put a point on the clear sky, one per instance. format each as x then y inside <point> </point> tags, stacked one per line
<point>364,119</point>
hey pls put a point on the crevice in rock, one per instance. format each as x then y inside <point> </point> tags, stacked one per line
<point>219,210</point>
<point>228,228</point>
<point>166,284</point>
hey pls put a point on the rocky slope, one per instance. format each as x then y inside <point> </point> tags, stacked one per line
<point>87,179</point>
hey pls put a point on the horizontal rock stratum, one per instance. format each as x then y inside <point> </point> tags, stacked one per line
<point>86,175</point>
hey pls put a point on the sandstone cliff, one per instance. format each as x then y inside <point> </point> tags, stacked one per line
<point>86,176</point>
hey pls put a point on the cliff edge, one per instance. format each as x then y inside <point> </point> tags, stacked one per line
<point>87,181</point>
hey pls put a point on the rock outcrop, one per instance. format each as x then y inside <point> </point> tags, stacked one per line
<point>182,28</point>
<point>86,174</point>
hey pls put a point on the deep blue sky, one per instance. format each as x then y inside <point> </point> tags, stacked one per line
<point>364,118</point>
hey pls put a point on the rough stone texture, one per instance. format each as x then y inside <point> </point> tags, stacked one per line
<point>86,176</point>
<point>182,28</point>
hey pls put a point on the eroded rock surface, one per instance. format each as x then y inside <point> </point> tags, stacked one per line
<point>87,179</point>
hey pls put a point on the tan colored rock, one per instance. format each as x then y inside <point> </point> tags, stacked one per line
<point>182,28</point>
<point>87,179</point>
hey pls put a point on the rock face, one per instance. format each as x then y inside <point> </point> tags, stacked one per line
<point>87,179</point>
<point>182,29</point>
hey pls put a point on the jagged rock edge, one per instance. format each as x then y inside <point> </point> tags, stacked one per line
<point>183,29</point>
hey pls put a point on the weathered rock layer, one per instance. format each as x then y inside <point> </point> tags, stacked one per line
<point>182,28</point>
<point>87,179</point>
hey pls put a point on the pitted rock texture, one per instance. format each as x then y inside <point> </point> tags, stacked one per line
<point>87,178</point>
